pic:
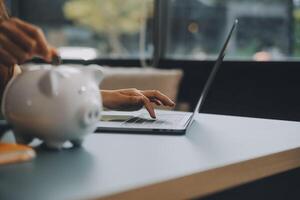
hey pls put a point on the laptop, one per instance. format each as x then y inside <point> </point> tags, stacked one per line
<point>166,122</point>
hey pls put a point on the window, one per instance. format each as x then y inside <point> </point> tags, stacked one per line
<point>101,28</point>
<point>197,29</point>
<point>190,30</point>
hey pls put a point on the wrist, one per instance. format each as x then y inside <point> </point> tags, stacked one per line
<point>106,94</point>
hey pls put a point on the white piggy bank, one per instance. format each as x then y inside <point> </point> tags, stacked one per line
<point>54,104</point>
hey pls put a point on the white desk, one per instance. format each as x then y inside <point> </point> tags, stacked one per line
<point>217,153</point>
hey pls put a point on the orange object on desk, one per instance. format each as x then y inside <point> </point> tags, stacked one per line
<point>14,153</point>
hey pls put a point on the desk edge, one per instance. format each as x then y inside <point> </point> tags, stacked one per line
<point>204,183</point>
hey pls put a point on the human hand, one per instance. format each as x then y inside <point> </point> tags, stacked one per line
<point>133,99</point>
<point>21,41</point>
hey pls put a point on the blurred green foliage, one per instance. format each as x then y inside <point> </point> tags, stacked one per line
<point>110,18</point>
<point>297,32</point>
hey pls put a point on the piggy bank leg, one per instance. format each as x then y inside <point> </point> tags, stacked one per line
<point>55,145</point>
<point>23,139</point>
<point>77,142</point>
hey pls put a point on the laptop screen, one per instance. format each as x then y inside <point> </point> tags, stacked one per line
<point>214,70</point>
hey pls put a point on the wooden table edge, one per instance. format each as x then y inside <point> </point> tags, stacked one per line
<point>215,180</point>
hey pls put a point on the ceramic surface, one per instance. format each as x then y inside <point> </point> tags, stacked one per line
<point>55,104</point>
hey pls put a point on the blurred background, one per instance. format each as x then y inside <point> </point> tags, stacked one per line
<point>192,29</point>
<point>260,76</point>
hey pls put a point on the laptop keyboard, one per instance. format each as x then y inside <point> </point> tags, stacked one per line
<point>161,120</point>
<point>138,120</point>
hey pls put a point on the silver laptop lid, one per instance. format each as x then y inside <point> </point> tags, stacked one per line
<point>214,71</point>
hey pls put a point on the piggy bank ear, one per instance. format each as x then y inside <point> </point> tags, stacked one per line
<point>95,72</point>
<point>49,83</point>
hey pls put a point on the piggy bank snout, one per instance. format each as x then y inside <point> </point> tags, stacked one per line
<point>90,114</point>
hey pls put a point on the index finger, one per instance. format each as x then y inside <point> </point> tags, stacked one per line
<point>146,102</point>
<point>149,107</point>
<point>160,96</point>
<point>18,36</point>
<point>36,33</point>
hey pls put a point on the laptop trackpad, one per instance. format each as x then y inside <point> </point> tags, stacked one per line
<point>115,118</point>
